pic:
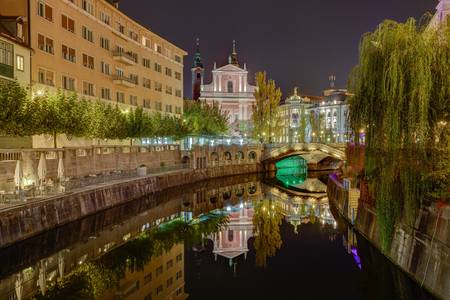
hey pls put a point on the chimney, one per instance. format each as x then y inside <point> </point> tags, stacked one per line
<point>114,2</point>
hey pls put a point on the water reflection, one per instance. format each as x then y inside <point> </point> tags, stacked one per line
<point>161,278</point>
<point>176,245</point>
<point>291,171</point>
<point>232,240</point>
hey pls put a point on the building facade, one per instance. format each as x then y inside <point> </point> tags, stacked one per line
<point>90,47</point>
<point>230,89</point>
<point>315,118</point>
<point>442,15</point>
<point>14,53</point>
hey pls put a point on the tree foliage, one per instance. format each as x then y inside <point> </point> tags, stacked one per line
<point>13,115</point>
<point>204,119</point>
<point>266,120</point>
<point>60,113</point>
<point>401,101</point>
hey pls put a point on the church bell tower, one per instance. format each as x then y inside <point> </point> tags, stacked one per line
<point>198,72</point>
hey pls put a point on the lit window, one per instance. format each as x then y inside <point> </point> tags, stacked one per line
<point>20,63</point>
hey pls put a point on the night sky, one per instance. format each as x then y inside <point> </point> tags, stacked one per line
<point>298,42</point>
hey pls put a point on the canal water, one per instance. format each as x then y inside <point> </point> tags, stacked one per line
<point>241,237</point>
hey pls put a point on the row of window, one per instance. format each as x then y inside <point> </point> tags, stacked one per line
<point>46,11</point>
<point>46,44</point>
<point>69,83</point>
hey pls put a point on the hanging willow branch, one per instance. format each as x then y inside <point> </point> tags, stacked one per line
<point>401,90</point>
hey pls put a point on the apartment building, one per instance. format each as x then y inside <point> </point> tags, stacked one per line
<point>92,48</point>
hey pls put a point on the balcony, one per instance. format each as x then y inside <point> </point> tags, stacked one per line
<point>6,70</point>
<point>124,81</point>
<point>124,57</point>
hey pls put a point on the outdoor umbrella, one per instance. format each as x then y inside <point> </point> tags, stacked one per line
<point>42,168</point>
<point>60,169</point>
<point>18,175</point>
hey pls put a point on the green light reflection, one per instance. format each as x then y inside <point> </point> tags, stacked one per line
<point>292,171</point>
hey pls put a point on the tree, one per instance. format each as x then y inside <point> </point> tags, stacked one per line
<point>401,102</point>
<point>204,119</point>
<point>13,116</point>
<point>135,124</point>
<point>266,120</point>
<point>53,116</point>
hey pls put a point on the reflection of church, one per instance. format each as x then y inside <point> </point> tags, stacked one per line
<point>229,88</point>
<point>232,241</point>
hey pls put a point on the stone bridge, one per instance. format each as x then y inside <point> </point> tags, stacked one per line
<point>313,153</point>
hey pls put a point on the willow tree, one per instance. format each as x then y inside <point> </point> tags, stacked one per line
<point>266,119</point>
<point>401,101</point>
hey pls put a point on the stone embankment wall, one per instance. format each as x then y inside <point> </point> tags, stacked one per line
<point>421,251</point>
<point>29,219</point>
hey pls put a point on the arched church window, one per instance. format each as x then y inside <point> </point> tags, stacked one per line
<point>198,75</point>
<point>230,86</point>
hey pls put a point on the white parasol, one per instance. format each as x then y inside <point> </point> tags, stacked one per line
<point>18,175</point>
<point>60,169</point>
<point>42,168</point>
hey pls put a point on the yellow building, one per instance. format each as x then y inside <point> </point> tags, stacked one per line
<point>92,48</point>
<point>162,278</point>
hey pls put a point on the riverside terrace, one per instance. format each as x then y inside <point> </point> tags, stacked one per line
<point>31,174</point>
<point>35,174</point>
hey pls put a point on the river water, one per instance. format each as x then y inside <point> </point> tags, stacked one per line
<point>241,237</point>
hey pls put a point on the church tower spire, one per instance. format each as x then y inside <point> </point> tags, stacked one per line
<point>198,72</point>
<point>233,57</point>
<point>198,57</point>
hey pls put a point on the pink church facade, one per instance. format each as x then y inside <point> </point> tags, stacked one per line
<point>230,89</point>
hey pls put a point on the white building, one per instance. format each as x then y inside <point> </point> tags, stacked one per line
<point>323,118</point>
